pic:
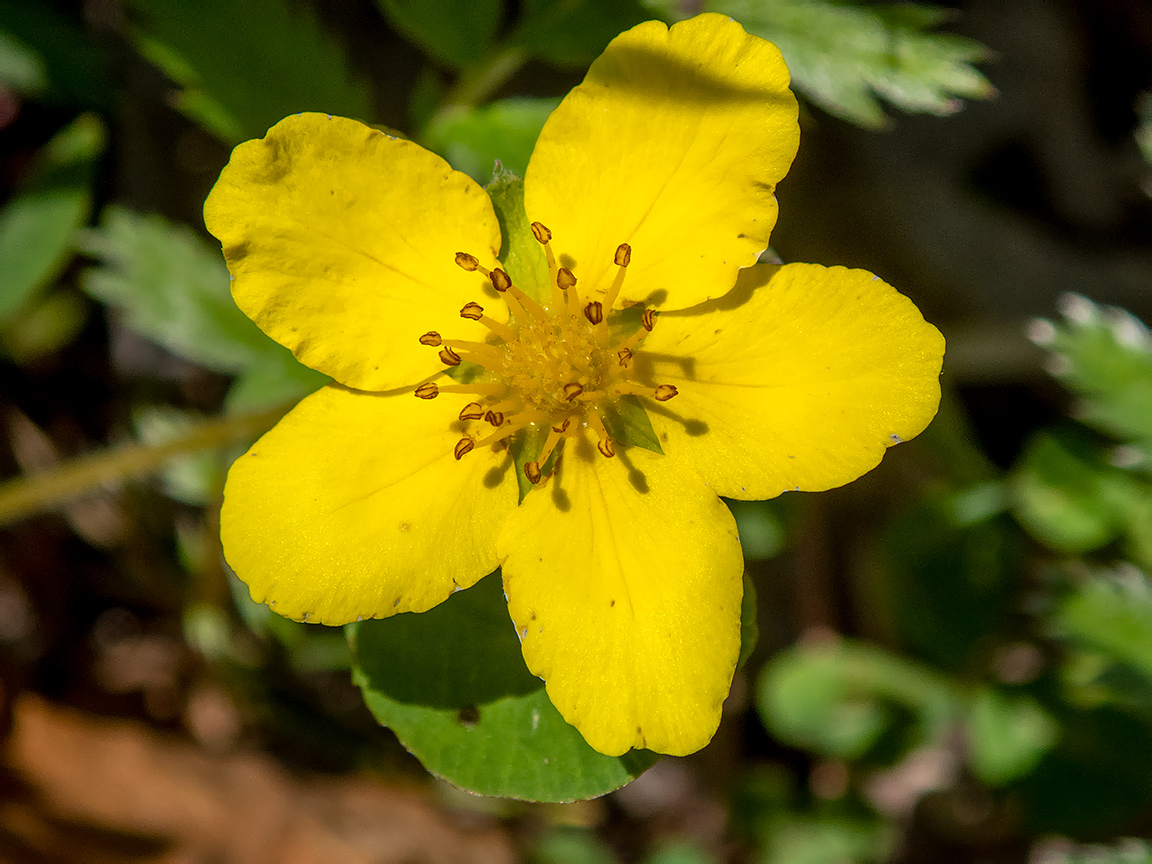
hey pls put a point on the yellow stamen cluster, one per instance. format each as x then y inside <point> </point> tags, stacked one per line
<point>553,368</point>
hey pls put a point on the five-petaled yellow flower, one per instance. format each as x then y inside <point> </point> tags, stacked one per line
<point>651,188</point>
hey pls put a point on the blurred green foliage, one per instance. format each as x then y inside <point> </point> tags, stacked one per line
<point>1015,607</point>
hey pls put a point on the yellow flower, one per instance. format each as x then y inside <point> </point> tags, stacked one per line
<point>651,186</point>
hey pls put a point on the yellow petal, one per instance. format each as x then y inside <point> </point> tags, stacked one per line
<point>342,241</point>
<point>674,144</point>
<point>798,380</point>
<point>354,505</point>
<point>623,578</point>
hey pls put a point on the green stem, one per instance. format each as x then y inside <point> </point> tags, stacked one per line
<point>24,496</point>
<point>477,85</point>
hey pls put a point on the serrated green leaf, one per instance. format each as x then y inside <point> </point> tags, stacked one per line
<point>275,378</point>
<point>38,223</point>
<point>172,287</point>
<point>522,255</point>
<point>474,139</point>
<point>1007,735</point>
<point>452,685</point>
<point>573,33</point>
<point>1067,495</point>
<point>456,33</point>
<point>1104,355</point>
<point>838,699</point>
<point>840,54</point>
<point>242,68</point>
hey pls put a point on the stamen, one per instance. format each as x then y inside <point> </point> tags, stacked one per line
<point>567,283</point>
<point>431,339</point>
<point>467,262</point>
<point>648,319</point>
<point>517,300</point>
<point>662,393</point>
<point>427,390</point>
<point>541,233</point>
<point>532,472</point>
<point>463,447</point>
<point>622,259</point>
<point>472,411</point>
<point>606,448</point>
<point>449,357</point>
<point>496,418</point>
<point>501,281</point>
<point>594,311</point>
<point>604,445</point>
<point>476,389</point>
<point>544,237</point>
<point>571,391</point>
<point>475,312</point>
<point>624,357</point>
<point>665,392</point>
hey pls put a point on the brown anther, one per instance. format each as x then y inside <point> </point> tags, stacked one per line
<point>463,447</point>
<point>431,339</point>
<point>563,427</point>
<point>541,233</point>
<point>473,311</point>
<point>665,392</point>
<point>565,279</point>
<point>594,311</point>
<point>571,391</point>
<point>648,319</point>
<point>496,418</point>
<point>427,390</point>
<point>466,261</point>
<point>501,281</point>
<point>624,356</point>
<point>532,469</point>
<point>472,411</point>
<point>449,357</point>
<point>606,448</point>
<point>623,255</point>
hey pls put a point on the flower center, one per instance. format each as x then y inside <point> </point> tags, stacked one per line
<point>557,368</point>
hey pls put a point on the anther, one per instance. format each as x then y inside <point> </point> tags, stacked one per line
<point>463,447</point>
<point>665,392</point>
<point>623,255</point>
<point>466,261</point>
<point>563,427</point>
<point>427,390</point>
<point>540,232</point>
<point>472,411</point>
<point>571,391</point>
<point>473,310</point>
<point>624,356</point>
<point>565,279</point>
<point>532,469</point>
<point>431,339</point>
<point>594,311</point>
<point>606,448</point>
<point>501,281</point>
<point>496,418</point>
<point>648,319</point>
<point>449,357</point>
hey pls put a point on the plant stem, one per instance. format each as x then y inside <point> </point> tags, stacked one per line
<point>23,496</point>
<point>477,85</point>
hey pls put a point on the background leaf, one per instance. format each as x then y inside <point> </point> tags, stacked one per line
<point>452,685</point>
<point>455,33</point>
<point>573,32</point>
<point>474,139</point>
<point>244,67</point>
<point>38,223</point>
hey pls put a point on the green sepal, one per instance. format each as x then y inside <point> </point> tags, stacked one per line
<point>522,255</point>
<point>628,423</point>
<point>526,447</point>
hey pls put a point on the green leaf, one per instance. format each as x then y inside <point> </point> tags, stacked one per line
<point>1007,736</point>
<point>522,255</point>
<point>839,698</point>
<point>452,685</point>
<point>573,33</point>
<point>761,530</point>
<point>172,287</point>
<point>456,33</point>
<point>474,139</point>
<point>44,325</point>
<point>749,628</point>
<point>274,379</point>
<point>21,68</point>
<point>1111,614</point>
<point>840,55</point>
<point>241,69</point>
<point>1104,356</point>
<point>1067,495</point>
<point>68,63</point>
<point>38,223</point>
<point>815,840</point>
